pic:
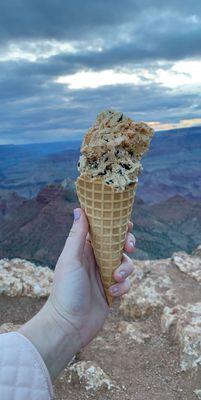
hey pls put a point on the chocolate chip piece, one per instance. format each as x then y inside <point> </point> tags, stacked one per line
<point>78,164</point>
<point>120,172</point>
<point>102,173</point>
<point>120,117</point>
<point>119,152</point>
<point>95,165</point>
<point>109,181</point>
<point>126,166</point>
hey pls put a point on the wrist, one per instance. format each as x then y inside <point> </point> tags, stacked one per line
<point>54,337</point>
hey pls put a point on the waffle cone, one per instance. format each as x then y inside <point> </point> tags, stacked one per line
<point>108,214</point>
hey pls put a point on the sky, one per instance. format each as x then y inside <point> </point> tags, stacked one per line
<point>62,62</point>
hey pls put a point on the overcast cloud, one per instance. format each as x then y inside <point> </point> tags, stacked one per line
<point>61,62</point>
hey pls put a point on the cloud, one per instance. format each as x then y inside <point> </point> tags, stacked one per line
<point>184,123</point>
<point>71,20</point>
<point>66,113</point>
<point>181,73</point>
<point>62,62</point>
<point>128,32</point>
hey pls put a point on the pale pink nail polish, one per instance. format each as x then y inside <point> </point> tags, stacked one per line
<point>76,213</point>
<point>122,274</point>
<point>114,290</point>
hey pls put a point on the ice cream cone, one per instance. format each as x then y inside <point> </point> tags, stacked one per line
<point>108,213</point>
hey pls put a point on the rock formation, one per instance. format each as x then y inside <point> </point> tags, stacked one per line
<point>9,327</point>
<point>90,375</point>
<point>22,278</point>
<point>187,331</point>
<point>156,331</point>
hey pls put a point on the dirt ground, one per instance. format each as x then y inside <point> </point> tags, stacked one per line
<point>145,371</point>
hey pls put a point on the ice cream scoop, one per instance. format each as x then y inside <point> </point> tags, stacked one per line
<point>112,149</point>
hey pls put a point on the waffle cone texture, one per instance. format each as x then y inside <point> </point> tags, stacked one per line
<point>108,213</point>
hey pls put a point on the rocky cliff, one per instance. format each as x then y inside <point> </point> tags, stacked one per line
<point>150,346</point>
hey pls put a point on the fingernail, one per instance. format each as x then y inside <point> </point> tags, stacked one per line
<point>114,290</point>
<point>122,274</point>
<point>76,213</point>
<point>132,244</point>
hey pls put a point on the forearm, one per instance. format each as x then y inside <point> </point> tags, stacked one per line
<point>54,337</point>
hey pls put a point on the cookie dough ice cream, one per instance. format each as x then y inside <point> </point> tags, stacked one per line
<point>112,149</point>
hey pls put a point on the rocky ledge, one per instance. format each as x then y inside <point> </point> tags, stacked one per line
<point>168,290</point>
<point>23,278</point>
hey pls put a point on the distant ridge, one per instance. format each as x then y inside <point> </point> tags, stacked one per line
<point>171,167</point>
<point>75,143</point>
<point>36,229</point>
<point>162,133</point>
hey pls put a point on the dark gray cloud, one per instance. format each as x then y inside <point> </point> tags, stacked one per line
<point>61,19</point>
<point>131,30</point>
<point>132,34</point>
<point>22,19</point>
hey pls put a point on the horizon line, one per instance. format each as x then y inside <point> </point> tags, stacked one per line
<point>80,139</point>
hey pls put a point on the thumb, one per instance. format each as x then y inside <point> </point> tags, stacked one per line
<point>75,242</point>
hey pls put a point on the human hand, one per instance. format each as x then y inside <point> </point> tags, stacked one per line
<point>77,292</point>
<point>76,308</point>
